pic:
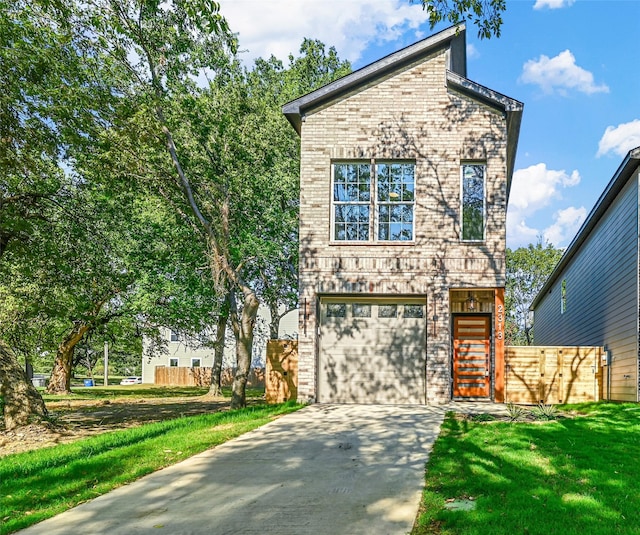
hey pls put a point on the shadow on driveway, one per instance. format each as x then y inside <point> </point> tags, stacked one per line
<point>330,469</point>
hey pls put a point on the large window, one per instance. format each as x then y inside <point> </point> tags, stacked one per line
<point>473,207</point>
<point>373,201</point>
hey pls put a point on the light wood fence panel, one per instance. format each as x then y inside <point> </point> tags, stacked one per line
<point>546,374</point>
<point>281,378</point>
<point>201,376</point>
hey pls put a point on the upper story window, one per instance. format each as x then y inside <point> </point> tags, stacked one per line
<point>174,336</point>
<point>473,201</point>
<point>373,201</point>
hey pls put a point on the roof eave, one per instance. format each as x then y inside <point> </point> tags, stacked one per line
<point>617,182</point>
<point>454,36</point>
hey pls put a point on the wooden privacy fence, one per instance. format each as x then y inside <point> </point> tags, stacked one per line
<point>546,374</point>
<point>183,376</point>
<point>281,377</point>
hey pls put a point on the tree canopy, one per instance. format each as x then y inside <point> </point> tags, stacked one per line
<point>527,270</point>
<point>485,14</point>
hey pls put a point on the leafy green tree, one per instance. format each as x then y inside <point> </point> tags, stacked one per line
<point>527,270</point>
<point>48,99</point>
<point>271,85</point>
<point>221,155</point>
<point>485,14</point>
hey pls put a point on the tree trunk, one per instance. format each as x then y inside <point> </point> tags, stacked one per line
<point>60,382</point>
<point>215,390</point>
<point>274,324</point>
<point>243,331</point>
<point>22,402</point>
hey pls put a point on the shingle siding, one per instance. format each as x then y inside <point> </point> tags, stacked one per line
<point>602,294</point>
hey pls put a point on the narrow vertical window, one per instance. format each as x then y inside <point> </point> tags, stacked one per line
<point>351,201</point>
<point>395,183</point>
<point>563,296</point>
<point>473,206</point>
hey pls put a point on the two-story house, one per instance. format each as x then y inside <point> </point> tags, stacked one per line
<point>405,173</point>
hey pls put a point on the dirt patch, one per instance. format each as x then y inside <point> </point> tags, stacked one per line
<point>71,420</point>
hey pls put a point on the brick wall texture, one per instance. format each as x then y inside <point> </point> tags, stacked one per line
<point>413,115</point>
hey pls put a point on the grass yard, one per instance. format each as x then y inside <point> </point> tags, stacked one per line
<point>143,391</point>
<point>576,475</point>
<point>42,483</point>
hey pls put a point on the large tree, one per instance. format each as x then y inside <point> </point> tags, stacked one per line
<point>219,152</point>
<point>48,98</point>
<point>527,270</point>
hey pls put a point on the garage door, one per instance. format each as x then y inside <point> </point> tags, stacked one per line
<point>372,351</point>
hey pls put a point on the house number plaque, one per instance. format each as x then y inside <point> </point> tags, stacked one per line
<point>500,322</point>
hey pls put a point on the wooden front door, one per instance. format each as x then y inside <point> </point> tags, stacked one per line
<point>471,356</point>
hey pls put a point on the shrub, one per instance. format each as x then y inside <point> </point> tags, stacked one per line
<point>545,412</point>
<point>515,412</point>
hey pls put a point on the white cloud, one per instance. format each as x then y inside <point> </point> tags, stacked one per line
<point>277,27</point>
<point>552,4</point>
<point>559,74</point>
<point>533,189</point>
<point>566,224</point>
<point>472,52</point>
<point>620,139</point>
<point>519,234</point>
<point>536,186</point>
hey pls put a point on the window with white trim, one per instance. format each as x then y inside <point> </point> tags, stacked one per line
<point>195,362</point>
<point>473,201</point>
<point>173,362</point>
<point>373,201</point>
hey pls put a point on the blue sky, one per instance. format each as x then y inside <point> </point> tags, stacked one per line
<point>574,64</point>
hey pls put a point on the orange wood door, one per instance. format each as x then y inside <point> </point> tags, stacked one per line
<point>471,356</point>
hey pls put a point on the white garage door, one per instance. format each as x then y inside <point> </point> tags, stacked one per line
<point>372,351</point>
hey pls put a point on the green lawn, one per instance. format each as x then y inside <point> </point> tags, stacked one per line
<point>139,391</point>
<point>570,476</point>
<point>40,484</point>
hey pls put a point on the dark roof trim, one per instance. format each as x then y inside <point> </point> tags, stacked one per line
<point>454,37</point>
<point>511,107</point>
<point>483,93</point>
<point>619,180</point>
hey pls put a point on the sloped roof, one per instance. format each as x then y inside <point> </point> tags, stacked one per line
<point>453,38</point>
<point>617,182</point>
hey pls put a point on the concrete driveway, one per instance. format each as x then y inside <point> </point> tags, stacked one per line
<point>325,469</point>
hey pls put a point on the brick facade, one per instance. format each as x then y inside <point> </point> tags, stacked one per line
<point>410,113</point>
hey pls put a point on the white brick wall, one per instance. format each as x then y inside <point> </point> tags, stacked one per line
<point>411,115</point>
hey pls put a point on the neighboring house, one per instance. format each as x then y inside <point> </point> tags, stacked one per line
<point>591,298</point>
<point>406,167</point>
<point>193,352</point>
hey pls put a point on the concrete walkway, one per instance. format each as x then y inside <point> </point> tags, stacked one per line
<point>325,469</point>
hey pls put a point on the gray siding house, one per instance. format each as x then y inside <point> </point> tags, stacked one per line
<point>406,167</point>
<point>591,298</point>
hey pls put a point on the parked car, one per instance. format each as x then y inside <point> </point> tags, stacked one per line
<point>131,381</point>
